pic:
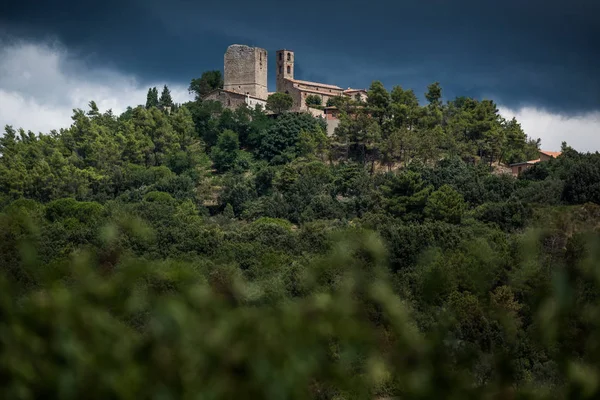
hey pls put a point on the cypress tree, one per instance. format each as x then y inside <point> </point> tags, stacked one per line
<point>152,98</point>
<point>165,98</point>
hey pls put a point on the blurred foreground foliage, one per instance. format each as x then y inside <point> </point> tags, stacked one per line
<point>479,320</point>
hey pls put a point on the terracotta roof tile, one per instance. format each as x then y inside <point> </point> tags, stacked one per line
<point>551,153</point>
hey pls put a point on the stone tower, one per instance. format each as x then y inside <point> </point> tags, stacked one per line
<point>246,70</point>
<point>285,68</point>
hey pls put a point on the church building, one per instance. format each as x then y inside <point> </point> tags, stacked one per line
<point>245,82</point>
<point>300,90</point>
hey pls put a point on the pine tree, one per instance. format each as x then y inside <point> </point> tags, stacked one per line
<point>165,98</point>
<point>209,81</point>
<point>228,212</point>
<point>152,98</point>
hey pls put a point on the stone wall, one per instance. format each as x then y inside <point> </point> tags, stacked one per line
<point>229,100</point>
<point>288,86</point>
<point>324,97</point>
<point>253,102</point>
<point>316,112</point>
<point>299,95</point>
<point>331,125</point>
<point>246,70</point>
<point>234,100</point>
<point>545,157</point>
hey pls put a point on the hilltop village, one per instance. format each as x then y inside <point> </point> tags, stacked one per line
<point>245,83</point>
<point>246,76</point>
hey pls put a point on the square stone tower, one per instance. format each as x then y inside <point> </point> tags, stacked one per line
<point>246,70</point>
<point>285,68</point>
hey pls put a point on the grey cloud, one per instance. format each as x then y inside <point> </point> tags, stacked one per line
<point>540,53</point>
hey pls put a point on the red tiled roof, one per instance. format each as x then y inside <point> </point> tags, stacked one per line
<point>551,153</point>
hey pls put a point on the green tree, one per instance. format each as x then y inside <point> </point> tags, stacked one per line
<point>434,94</point>
<point>312,143</point>
<point>313,100</point>
<point>378,101</point>
<point>279,142</point>
<point>228,212</point>
<point>517,146</point>
<point>152,98</point>
<point>582,183</point>
<point>358,138</point>
<point>445,204</point>
<point>209,81</point>
<point>336,101</point>
<point>165,98</point>
<point>279,102</point>
<point>225,153</point>
<point>405,108</point>
<point>183,125</point>
<point>405,195</point>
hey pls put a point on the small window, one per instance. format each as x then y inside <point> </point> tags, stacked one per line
<point>289,57</point>
<point>280,69</point>
<point>289,69</point>
<point>280,56</point>
<point>520,169</point>
<point>228,102</point>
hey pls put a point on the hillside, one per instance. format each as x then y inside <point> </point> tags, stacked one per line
<point>192,251</point>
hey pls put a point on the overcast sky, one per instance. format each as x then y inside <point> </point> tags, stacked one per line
<point>539,60</point>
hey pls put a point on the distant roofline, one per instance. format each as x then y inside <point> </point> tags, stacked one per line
<point>550,153</point>
<point>325,85</point>
<point>319,92</point>
<point>530,162</point>
<point>245,45</point>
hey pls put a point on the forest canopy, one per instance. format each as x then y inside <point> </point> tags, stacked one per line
<point>189,250</point>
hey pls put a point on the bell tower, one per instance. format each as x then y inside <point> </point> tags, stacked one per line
<point>285,68</point>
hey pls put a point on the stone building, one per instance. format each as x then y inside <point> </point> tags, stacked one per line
<point>356,94</point>
<point>246,70</point>
<point>245,82</point>
<point>300,90</point>
<point>517,168</point>
<point>233,100</point>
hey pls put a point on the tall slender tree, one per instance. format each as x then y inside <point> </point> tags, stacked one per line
<point>152,98</point>
<point>165,98</point>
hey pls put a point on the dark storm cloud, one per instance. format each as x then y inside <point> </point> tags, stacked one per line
<point>540,53</point>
